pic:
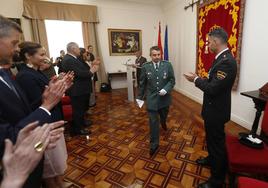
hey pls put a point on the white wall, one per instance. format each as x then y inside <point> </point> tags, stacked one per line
<point>13,9</point>
<point>126,16</point>
<point>254,65</point>
<point>112,14</point>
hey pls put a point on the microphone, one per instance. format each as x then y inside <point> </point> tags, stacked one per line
<point>128,61</point>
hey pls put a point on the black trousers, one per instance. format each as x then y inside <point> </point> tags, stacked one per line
<point>80,106</point>
<point>138,75</point>
<point>215,138</point>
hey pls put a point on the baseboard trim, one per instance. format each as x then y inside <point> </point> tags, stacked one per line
<point>187,94</point>
<point>234,118</point>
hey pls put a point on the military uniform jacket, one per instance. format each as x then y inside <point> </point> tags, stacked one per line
<point>152,81</point>
<point>217,88</point>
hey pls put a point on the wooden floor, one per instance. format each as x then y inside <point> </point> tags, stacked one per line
<point>117,152</point>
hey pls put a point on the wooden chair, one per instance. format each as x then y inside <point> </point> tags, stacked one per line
<point>244,182</point>
<point>67,108</point>
<point>243,159</point>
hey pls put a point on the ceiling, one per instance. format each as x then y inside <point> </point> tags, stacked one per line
<point>148,1</point>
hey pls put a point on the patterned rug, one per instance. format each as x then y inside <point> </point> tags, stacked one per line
<point>116,154</point>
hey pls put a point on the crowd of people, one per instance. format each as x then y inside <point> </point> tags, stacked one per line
<point>32,144</point>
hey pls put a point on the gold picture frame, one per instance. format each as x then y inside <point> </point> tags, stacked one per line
<point>124,42</point>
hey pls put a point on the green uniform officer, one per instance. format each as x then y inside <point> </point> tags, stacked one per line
<point>156,82</point>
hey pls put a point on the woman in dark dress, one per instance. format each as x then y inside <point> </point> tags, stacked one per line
<point>34,82</point>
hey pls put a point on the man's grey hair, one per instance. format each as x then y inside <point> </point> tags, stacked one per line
<point>219,33</point>
<point>70,46</point>
<point>6,25</point>
<point>154,48</point>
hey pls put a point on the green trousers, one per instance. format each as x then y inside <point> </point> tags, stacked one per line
<point>154,124</point>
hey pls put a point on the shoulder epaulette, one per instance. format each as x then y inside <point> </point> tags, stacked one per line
<point>146,63</point>
<point>165,61</point>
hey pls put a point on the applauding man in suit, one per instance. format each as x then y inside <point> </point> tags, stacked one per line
<point>156,81</point>
<point>81,88</point>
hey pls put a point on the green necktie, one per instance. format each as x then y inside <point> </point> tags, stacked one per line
<point>156,67</point>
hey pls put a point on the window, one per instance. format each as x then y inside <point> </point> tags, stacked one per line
<point>60,33</point>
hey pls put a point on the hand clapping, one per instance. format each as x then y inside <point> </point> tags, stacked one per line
<point>20,159</point>
<point>190,76</point>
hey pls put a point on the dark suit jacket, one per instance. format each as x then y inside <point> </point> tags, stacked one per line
<point>91,57</point>
<point>140,61</point>
<point>217,88</point>
<point>87,67</point>
<point>15,114</point>
<point>151,82</point>
<point>33,83</point>
<point>59,65</point>
<point>81,83</point>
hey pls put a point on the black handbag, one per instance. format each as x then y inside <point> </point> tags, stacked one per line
<point>105,87</point>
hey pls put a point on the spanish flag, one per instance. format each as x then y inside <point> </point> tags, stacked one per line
<point>159,40</point>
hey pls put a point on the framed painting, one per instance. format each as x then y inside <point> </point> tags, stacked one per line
<point>123,42</point>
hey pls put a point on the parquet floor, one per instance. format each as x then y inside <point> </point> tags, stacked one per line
<point>116,154</point>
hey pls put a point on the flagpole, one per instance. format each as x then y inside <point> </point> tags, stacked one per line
<point>166,56</point>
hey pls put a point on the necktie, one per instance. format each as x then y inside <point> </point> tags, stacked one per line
<point>7,78</point>
<point>156,67</point>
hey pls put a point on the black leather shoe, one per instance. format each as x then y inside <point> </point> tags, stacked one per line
<point>152,151</point>
<point>206,184</point>
<point>203,161</point>
<point>87,123</point>
<point>164,125</point>
<point>82,132</point>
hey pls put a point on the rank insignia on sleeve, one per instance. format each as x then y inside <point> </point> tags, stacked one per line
<point>221,75</point>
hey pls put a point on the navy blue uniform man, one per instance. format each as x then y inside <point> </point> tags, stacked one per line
<point>216,108</point>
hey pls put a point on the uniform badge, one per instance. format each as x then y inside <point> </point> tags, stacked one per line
<point>149,75</point>
<point>165,75</point>
<point>221,75</point>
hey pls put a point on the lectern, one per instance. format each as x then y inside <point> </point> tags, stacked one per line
<point>130,82</point>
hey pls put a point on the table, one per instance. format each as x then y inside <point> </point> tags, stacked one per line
<point>130,76</point>
<point>260,102</point>
<point>115,74</point>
